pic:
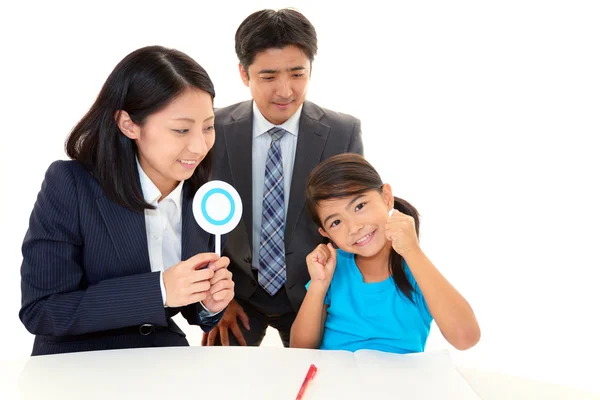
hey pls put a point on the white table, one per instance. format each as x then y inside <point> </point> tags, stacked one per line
<point>257,373</point>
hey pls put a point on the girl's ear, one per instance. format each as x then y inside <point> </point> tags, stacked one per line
<point>126,125</point>
<point>325,235</point>
<point>388,196</point>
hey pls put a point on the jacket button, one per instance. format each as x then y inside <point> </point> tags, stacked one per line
<point>146,329</point>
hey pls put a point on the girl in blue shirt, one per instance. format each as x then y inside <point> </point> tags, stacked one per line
<point>372,287</point>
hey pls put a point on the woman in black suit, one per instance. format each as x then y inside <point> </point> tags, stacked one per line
<point>112,251</point>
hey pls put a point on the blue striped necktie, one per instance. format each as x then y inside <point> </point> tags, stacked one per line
<point>271,275</point>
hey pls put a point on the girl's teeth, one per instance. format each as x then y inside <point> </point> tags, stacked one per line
<point>363,239</point>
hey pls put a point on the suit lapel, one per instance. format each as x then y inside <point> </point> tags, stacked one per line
<point>194,239</point>
<point>312,137</point>
<point>238,139</point>
<point>127,231</point>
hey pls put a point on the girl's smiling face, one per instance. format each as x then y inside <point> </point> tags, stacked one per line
<point>356,224</point>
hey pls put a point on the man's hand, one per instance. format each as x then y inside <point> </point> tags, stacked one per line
<point>228,323</point>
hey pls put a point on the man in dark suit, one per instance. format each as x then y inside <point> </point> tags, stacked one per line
<point>266,148</point>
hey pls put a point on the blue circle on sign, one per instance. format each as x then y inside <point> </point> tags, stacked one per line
<point>231,206</point>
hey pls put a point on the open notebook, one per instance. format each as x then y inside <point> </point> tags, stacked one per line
<point>373,375</point>
<point>414,376</point>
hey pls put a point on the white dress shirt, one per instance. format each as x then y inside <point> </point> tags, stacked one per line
<point>163,228</point>
<point>261,141</point>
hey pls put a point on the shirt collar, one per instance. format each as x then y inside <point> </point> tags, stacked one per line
<point>152,193</point>
<point>260,125</point>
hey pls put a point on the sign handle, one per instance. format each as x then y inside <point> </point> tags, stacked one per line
<point>218,245</point>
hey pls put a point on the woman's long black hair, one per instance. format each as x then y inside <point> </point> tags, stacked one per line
<point>144,82</point>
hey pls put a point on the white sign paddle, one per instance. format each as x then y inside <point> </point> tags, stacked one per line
<point>217,208</point>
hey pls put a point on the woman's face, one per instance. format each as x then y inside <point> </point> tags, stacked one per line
<point>173,141</point>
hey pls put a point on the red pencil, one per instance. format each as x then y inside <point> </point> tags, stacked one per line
<point>309,376</point>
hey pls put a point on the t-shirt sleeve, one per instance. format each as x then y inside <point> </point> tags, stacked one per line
<point>418,297</point>
<point>327,295</point>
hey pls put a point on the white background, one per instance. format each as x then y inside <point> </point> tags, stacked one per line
<point>484,115</point>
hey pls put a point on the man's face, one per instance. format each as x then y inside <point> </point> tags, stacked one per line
<point>278,81</point>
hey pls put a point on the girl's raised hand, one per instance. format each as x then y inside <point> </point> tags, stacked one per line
<point>321,264</point>
<point>400,230</point>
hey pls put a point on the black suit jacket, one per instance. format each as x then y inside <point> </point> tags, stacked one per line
<point>322,134</point>
<point>86,281</point>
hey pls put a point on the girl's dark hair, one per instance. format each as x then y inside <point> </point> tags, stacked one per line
<point>143,83</point>
<point>346,175</point>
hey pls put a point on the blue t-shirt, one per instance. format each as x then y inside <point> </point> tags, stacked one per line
<point>375,316</point>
